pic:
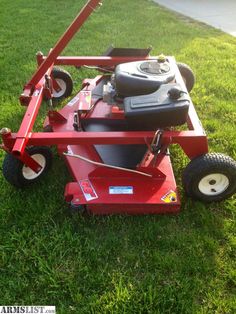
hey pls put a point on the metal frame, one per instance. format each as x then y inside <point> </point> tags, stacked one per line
<point>193,141</point>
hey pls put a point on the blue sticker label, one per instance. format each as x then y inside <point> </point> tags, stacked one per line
<point>121,190</point>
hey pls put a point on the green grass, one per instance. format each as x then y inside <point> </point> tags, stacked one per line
<point>117,264</point>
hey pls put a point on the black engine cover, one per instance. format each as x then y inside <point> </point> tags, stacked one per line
<point>142,77</point>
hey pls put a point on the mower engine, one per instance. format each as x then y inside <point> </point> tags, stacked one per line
<point>148,94</point>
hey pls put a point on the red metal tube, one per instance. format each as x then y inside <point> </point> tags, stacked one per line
<point>183,138</point>
<point>28,122</point>
<point>97,60</point>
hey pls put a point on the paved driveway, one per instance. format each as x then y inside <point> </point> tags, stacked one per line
<point>217,13</point>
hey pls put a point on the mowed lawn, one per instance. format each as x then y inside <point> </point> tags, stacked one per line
<point>117,264</point>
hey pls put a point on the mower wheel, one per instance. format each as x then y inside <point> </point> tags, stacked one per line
<point>64,80</point>
<point>187,75</point>
<point>20,175</point>
<point>210,177</point>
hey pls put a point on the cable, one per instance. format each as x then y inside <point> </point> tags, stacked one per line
<point>97,68</point>
<point>106,165</point>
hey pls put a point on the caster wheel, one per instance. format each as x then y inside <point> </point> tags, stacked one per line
<point>210,177</point>
<point>187,75</point>
<point>20,175</point>
<point>64,80</point>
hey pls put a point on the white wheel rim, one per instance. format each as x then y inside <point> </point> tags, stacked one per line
<point>61,92</point>
<point>213,184</point>
<point>28,173</point>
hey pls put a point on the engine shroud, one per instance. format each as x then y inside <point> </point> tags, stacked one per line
<point>142,77</point>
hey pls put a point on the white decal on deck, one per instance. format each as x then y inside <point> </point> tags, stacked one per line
<point>88,190</point>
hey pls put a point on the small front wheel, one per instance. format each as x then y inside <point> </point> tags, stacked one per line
<point>64,84</point>
<point>210,177</point>
<point>20,175</point>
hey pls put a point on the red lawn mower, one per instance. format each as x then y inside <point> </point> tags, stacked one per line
<point>115,133</point>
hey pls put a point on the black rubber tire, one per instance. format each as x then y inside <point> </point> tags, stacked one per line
<point>13,168</point>
<point>205,165</point>
<point>58,73</point>
<point>187,75</point>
